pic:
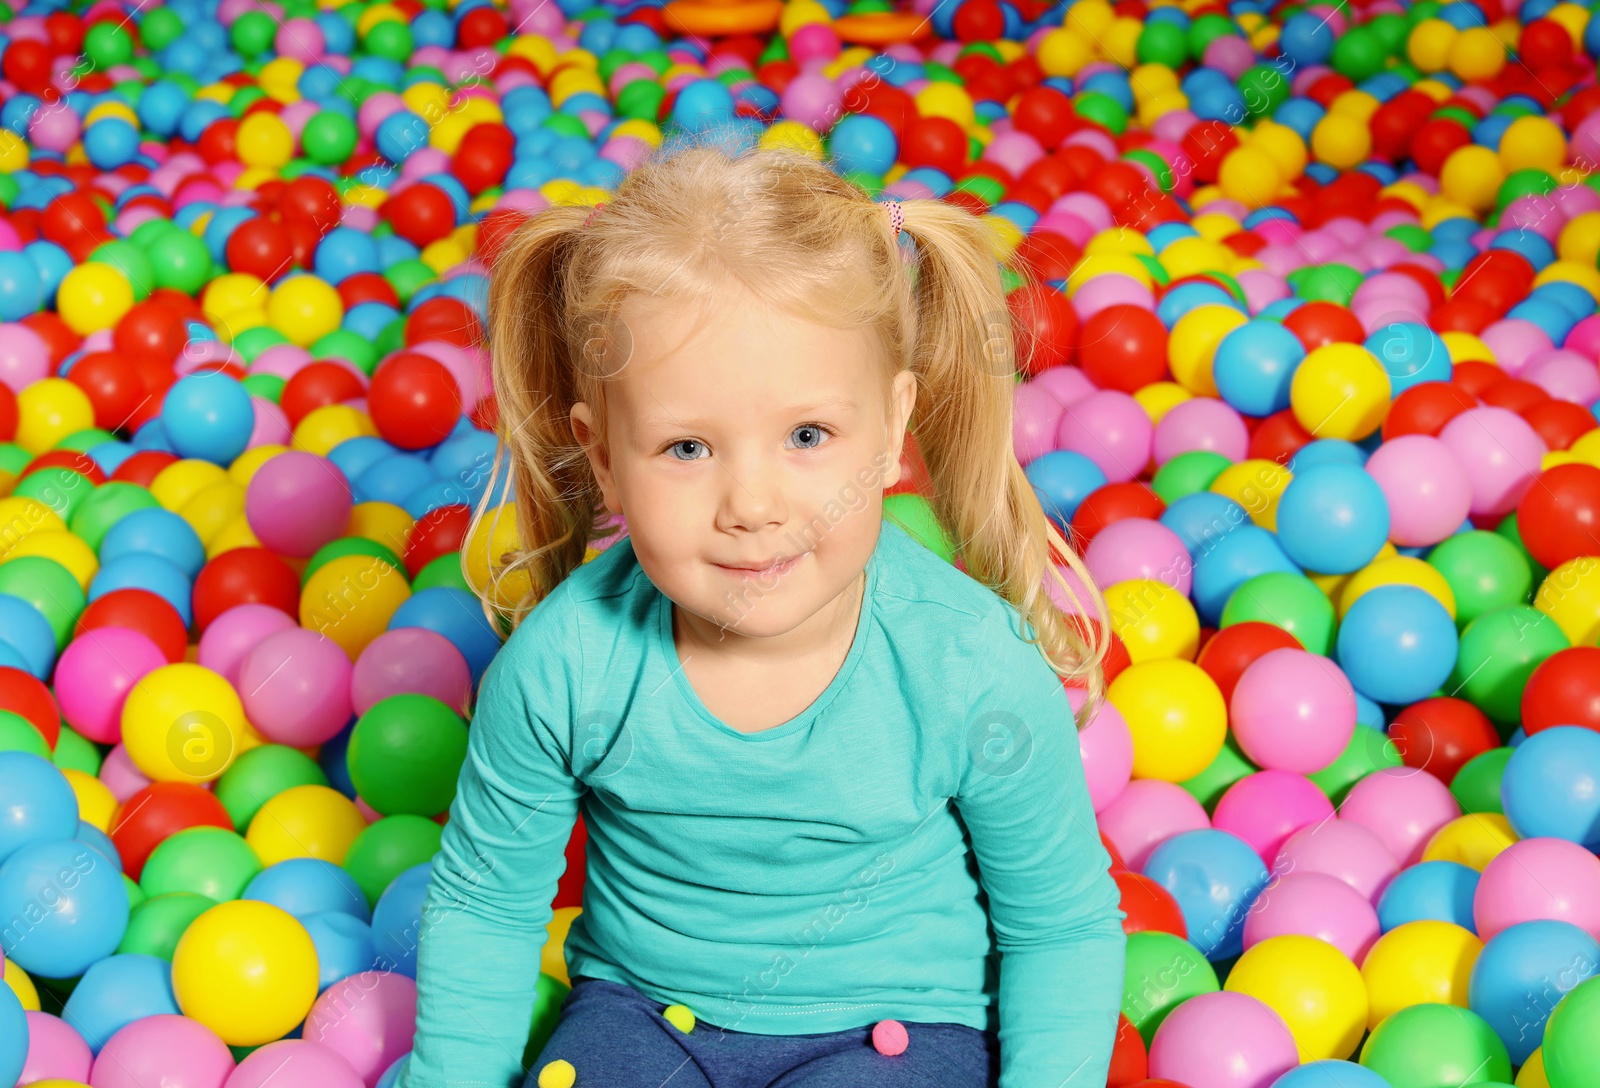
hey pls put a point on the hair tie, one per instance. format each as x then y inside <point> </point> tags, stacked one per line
<point>897,215</point>
<point>593,212</point>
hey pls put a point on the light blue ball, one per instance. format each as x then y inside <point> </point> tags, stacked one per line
<point>391,1076</point>
<point>1202,518</point>
<point>1331,1074</point>
<point>1551,786</point>
<point>397,918</point>
<point>1437,890</point>
<point>862,143</point>
<point>1254,366</point>
<point>88,833</point>
<point>156,531</point>
<point>13,1036</point>
<point>305,886</point>
<point>1411,354</point>
<point>1215,877</point>
<point>1333,518</point>
<point>39,803</point>
<point>1062,479</point>
<point>1522,973</point>
<point>1397,644</point>
<point>1230,562</point>
<point>455,614</point>
<point>343,943</point>
<point>115,992</point>
<point>64,922</point>
<point>26,631</point>
<point>21,289</point>
<point>208,416</point>
<point>149,572</point>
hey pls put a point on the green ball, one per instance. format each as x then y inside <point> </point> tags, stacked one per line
<point>1570,1055</point>
<point>349,545</point>
<point>107,44</point>
<point>1358,54</point>
<point>1508,528</point>
<point>347,345</point>
<point>252,342</point>
<point>18,734</point>
<point>1103,110</point>
<point>1477,784</point>
<point>209,861</point>
<point>390,39</point>
<point>253,33</point>
<point>443,571</point>
<point>1264,88</point>
<point>13,458</point>
<point>50,588</point>
<point>1162,972</point>
<point>106,505</point>
<point>85,440</point>
<point>1520,183</point>
<point>1187,474</point>
<point>266,386</point>
<point>387,848</point>
<point>131,261</point>
<point>1164,43</point>
<point>1411,236</point>
<point>259,775</point>
<point>160,28</point>
<point>180,260</point>
<point>1391,31</point>
<point>407,277</point>
<point>1423,1046</point>
<point>1326,283</point>
<point>76,752</point>
<point>61,489</point>
<point>1207,29</point>
<point>640,99</point>
<point>915,515</point>
<point>405,755</point>
<point>548,996</point>
<point>1290,601</point>
<point>329,138</point>
<point>1369,750</point>
<point>155,925</point>
<point>1484,570</point>
<point>1499,651</point>
<point>1209,785</point>
<point>136,894</point>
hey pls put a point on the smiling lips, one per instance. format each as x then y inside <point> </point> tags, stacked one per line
<point>770,570</point>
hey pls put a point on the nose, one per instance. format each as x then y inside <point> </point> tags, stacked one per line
<point>754,494</point>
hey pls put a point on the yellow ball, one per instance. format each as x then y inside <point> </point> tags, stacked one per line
<point>1418,963</point>
<point>351,600</point>
<point>93,296</point>
<point>96,803</point>
<point>247,970</point>
<point>182,723</point>
<point>1192,345</point>
<point>1473,840</point>
<point>65,548</point>
<point>1477,54</point>
<point>1176,715</point>
<point>264,140</point>
<point>1399,570</point>
<point>1464,347</point>
<point>22,515</point>
<point>1312,985</point>
<point>231,292</point>
<point>948,100</point>
<point>1341,141</point>
<point>22,985</point>
<point>213,509</point>
<point>1531,1075</point>
<point>305,309</point>
<point>14,153</point>
<point>493,535</point>
<point>321,429</point>
<point>1472,176</point>
<point>1062,52</point>
<point>1100,264</point>
<point>1533,143</point>
<point>1570,595</point>
<point>1283,144</point>
<point>236,534</point>
<point>680,1017</point>
<point>1251,176</point>
<point>181,481</point>
<point>1153,619</point>
<point>308,821</point>
<point>1340,391</point>
<point>1580,239</point>
<point>553,956</point>
<point>558,1074</point>
<point>1256,485</point>
<point>49,410</point>
<point>1159,398</point>
<point>383,522</point>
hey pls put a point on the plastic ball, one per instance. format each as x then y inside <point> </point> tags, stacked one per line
<point>1539,878</point>
<point>183,723</point>
<point>297,502</point>
<point>1175,714</point>
<point>89,905</point>
<point>166,1047</point>
<point>1419,963</point>
<point>368,1019</point>
<point>1436,1043</point>
<point>1340,391</point>
<point>1293,711</point>
<point>246,970</point>
<point>1332,518</point>
<point>1568,1052</point>
<point>1523,973</point>
<point>1312,986</point>
<point>1319,905</point>
<point>414,400</point>
<point>296,687</point>
<point>1226,1039</point>
<point>1215,877</point>
<point>1397,644</point>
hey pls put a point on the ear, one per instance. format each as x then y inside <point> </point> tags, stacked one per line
<point>587,435</point>
<point>902,398</point>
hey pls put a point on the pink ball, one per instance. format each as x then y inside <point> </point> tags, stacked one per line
<point>1565,375</point>
<point>164,1049</point>
<point>1538,879</point>
<point>1106,747</point>
<point>1082,600</point>
<point>1583,339</point>
<point>271,426</point>
<point>889,1037</point>
<point>1145,814</point>
<point>1112,289</point>
<point>24,357</point>
<point>1265,808</point>
<point>1201,423</point>
<point>811,99</point>
<point>301,39</point>
<point>1341,849</point>
<point>1110,429</point>
<point>1067,384</point>
<point>1139,548</point>
<point>55,1050</point>
<point>368,1019</point>
<point>1292,711</point>
<point>1314,905</point>
<point>300,1062</point>
<point>1035,413</point>
<point>1403,806</point>
<point>1501,454</point>
<point>410,661</point>
<point>120,775</point>
<point>1513,340</point>
<point>295,686</point>
<point>297,502</point>
<point>1427,488</point>
<point>234,633</point>
<point>94,675</point>
<point>1222,1040</point>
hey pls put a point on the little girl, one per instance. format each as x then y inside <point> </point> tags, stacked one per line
<point>838,829</point>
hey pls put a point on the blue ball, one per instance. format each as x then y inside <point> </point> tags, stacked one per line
<point>110,142</point>
<point>862,143</point>
<point>1202,518</point>
<point>71,902</point>
<point>455,614</point>
<point>1551,786</point>
<point>1230,562</point>
<point>355,455</point>
<point>331,758</point>
<point>117,991</point>
<point>343,943</point>
<point>1332,518</point>
<point>1306,39</point>
<point>397,918</point>
<point>21,289</point>
<point>1522,973</point>
<point>1254,365</point>
<point>26,631</point>
<point>1330,1074</point>
<point>39,803</point>
<point>1326,451</point>
<point>13,1036</point>
<point>1215,877</point>
<point>305,886</point>
<point>393,479</point>
<point>1062,479</point>
<point>343,253</point>
<point>1411,354</point>
<point>702,104</point>
<point>208,416</point>
<point>98,839</point>
<point>1437,890</point>
<point>1397,644</point>
<point>149,572</point>
<point>156,531</point>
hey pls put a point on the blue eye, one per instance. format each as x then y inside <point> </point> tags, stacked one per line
<point>815,428</point>
<point>681,444</point>
<point>818,432</point>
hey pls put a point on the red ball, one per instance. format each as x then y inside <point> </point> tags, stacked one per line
<point>447,319</point>
<point>1317,324</point>
<point>317,385</point>
<point>156,813</point>
<point>314,201</point>
<point>154,327</point>
<point>1425,408</point>
<point>1441,735</point>
<point>1563,690</point>
<point>1116,856</point>
<point>25,694</point>
<point>1112,503</point>
<point>1123,347</point>
<point>440,531</point>
<point>937,142</point>
<point>1049,256</point>
<point>370,287</point>
<point>1231,650</point>
<point>481,163</point>
<point>1544,44</point>
<point>80,463</point>
<point>1514,394</point>
<point>260,248</point>
<point>421,213</point>
<point>482,26</point>
<point>244,576</point>
<point>1130,1061</point>
<point>142,611</point>
<point>1045,114</point>
<point>8,413</point>
<point>1434,142</point>
<point>142,468</point>
<point>1559,516</point>
<point>1148,906</point>
<point>414,401</point>
<point>1278,437</point>
<point>1559,422</point>
<point>1046,329</point>
<point>26,63</point>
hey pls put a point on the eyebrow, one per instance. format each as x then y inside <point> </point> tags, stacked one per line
<point>838,404</point>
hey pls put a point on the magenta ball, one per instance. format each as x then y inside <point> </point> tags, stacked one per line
<point>1341,849</point>
<point>297,502</point>
<point>164,1049</point>
<point>1112,430</point>
<point>55,1050</point>
<point>1538,879</point>
<point>1267,807</point>
<point>410,661</point>
<point>1501,453</point>
<point>1067,384</point>
<point>234,633</point>
<point>1222,1040</point>
<point>1427,488</point>
<point>1201,423</point>
<point>1035,413</point>
<point>295,686</point>
<point>1403,806</point>
<point>1314,905</point>
<point>94,675</point>
<point>1139,548</point>
<point>298,1062</point>
<point>1106,746</point>
<point>367,1018</point>
<point>1293,711</point>
<point>1146,813</point>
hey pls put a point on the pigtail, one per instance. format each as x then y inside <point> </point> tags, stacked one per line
<point>965,360</point>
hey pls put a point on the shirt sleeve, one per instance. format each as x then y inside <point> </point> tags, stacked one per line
<point>1053,905</point>
<point>494,878</point>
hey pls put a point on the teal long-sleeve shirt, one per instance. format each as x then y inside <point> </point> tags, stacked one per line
<point>918,844</point>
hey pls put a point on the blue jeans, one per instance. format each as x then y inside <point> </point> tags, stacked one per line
<point>616,1037</point>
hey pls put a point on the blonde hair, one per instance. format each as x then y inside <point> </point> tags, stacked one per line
<point>801,238</point>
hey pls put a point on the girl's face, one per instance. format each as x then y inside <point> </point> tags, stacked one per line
<point>750,440</point>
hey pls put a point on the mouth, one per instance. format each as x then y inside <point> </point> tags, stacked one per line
<point>771,570</point>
